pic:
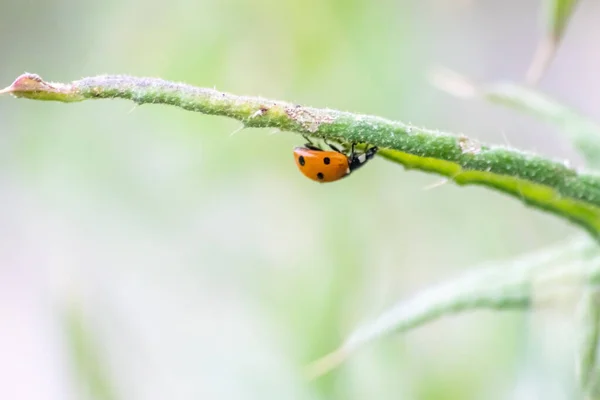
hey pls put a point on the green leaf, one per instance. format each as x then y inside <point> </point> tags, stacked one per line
<point>582,131</point>
<point>588,328</point>
<point>86,356</point>
<point>558,13</point>
<point>512,285</point>
<point>539,182</point>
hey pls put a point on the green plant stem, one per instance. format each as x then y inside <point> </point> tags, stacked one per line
<point>539,182</point>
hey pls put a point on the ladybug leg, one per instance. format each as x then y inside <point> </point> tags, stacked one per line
<point>333,147</point>
<point>310,144</point>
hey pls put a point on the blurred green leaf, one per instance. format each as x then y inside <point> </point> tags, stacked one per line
<point>87,357</point>
<point>512,285</point>
<point>558,13</point>
<point>588,328</point>
<point>583,132</point>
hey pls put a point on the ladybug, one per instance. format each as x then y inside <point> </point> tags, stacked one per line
<point>329,166</point>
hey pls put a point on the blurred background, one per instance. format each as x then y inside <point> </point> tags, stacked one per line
<point>148,253</point>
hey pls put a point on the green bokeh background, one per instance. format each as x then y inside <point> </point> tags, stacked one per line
<point>151,253</point>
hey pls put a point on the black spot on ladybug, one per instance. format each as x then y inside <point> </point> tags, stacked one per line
<point>326,160</point>
<point>320,176</point>
<point>301,160</point>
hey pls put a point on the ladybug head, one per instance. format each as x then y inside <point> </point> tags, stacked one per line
<point>358,160</point>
